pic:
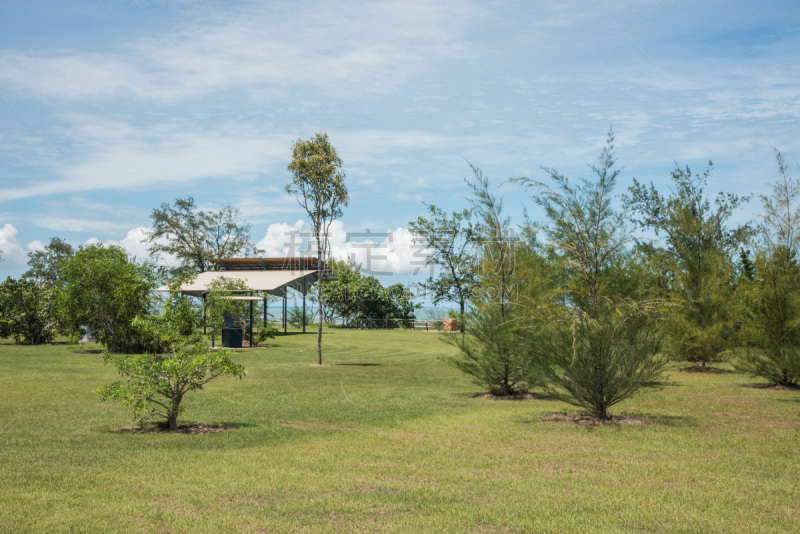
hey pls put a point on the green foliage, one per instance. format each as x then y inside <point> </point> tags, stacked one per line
<point>219,304</point>
<point>298,318</point>
<point>266,332</point>
<point>192,236</point>
<point>318,185</point>
<point>45,265</point>
<point>597,361</point>
<point>595,347</point>
<point>450,240</point>
<point>411,415</point>
<point>364,299</point>
<point>771,292</point>
<point>104,291</point>
<point>318,181</point>
<point>492,352</point>
<point>156,384</point>
<point>28,311</point>
<point>697,257</point>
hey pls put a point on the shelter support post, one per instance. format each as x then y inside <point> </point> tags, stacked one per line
<point>265,310</point>
<point>304,305</point>
<point>285,319</point>
<point>251,321</point>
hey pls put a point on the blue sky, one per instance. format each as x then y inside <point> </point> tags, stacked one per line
<point>109,109</point>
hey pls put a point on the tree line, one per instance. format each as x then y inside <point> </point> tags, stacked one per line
<point>586,306</point>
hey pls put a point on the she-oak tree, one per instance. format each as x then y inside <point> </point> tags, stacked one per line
<point>318,184</point>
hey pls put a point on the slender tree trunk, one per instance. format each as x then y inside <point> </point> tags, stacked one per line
<point>319,305</point>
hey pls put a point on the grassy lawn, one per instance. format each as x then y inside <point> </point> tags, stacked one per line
<point>387,438</point>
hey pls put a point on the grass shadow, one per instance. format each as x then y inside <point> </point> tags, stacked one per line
<point>361,364</point>
<point>774,387</point>
<point>583,420</point>
<point>705,370</point>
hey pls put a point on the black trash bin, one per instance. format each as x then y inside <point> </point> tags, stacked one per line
<point>232,337</point>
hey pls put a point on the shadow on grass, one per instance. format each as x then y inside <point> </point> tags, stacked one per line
<point>195,428</point>
<point>773,387</point>
<point>294,333</point>
<point>527,396</point>
<point>672,421</point>
<point>706,370</point>
<point>361,364</point>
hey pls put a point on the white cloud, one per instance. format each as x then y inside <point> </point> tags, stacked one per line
<point>136,245</point>
<point>277,241</point>
<point>35,246</point>
<point>74,224</point>
<point>120,156</point>
<point>13,253</point>
<point>267,47</point>
<point>380,253</point>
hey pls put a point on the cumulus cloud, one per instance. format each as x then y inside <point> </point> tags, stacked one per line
<point>378,252</point>
<point>13,254</point>
<point>135,244</point>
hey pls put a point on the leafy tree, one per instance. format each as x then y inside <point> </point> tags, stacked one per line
<point>28,311</point>
<point>364,299</point>
<point>318,184</point>
<point>772,289</point>
<point>45,265</point>
<point>156,384</point>
<point>595,348</point>
<point>699,250</point>
<point>220,305</point>
<point>450,238</point>
<point>492,352</point>
<point>104,291</point>
<point>192,235</point>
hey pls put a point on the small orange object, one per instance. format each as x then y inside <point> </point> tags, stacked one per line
<point>449,325</point>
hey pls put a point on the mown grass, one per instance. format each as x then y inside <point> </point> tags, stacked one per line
<point>387,438</point>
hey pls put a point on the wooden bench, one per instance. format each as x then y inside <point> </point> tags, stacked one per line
<point>421,324</point>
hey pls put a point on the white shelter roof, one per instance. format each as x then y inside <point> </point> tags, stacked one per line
<point>272,282</point>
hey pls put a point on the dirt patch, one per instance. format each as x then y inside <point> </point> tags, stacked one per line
<point>157,428</point>
<point>315,426</point>
<point>588,419</point>
<point>776,387</point>
<point>516,397</point>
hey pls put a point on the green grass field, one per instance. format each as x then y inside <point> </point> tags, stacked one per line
<point>387,438</point>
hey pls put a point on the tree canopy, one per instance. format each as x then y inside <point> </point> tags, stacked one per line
<point>192,236</point>
<point>698,253</point>
<point>356,297</point>
<point>104,291</point>
<point>318,185</point>
<point>450,238</point>
<point>45,265</point>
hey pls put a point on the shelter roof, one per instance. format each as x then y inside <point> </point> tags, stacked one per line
<point>271,282</point>
<point>273,264</point>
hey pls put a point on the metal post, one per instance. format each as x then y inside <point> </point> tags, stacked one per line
<point>265,310</point>
<point>251,320</point>
<point>285,319</point>
<point>204,315</point>
<point>304,305</point>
